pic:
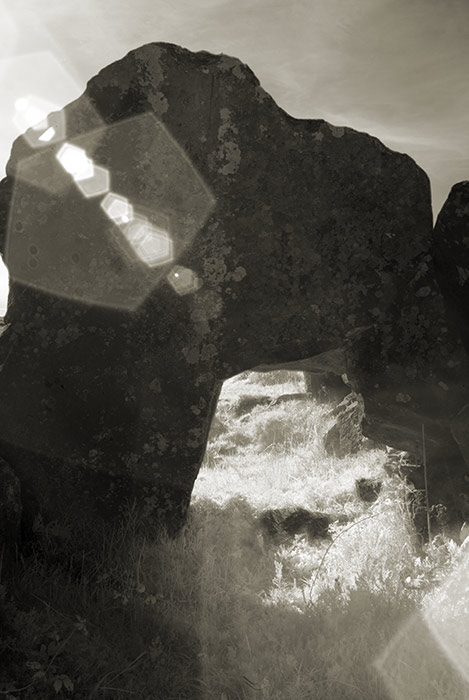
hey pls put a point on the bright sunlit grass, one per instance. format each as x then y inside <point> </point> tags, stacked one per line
<point>223,612</point>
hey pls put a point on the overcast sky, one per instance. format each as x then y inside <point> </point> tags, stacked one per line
<point>398,69</point>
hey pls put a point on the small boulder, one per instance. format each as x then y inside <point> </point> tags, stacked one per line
<point>247,402</point>
<point>368,490</point>
<point>286,398</point>
<point>282,523</point>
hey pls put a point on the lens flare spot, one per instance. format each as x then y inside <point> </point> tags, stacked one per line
<point>96,185</point>
<point>117,208</point>
<point>435,640</point>
<point>155,249</point>
<point>43,120</point>
<point>30,115</point>
<point>153,245</point>
<point>136,230</point>
<point>21,104</point>
<point>75,161</point>
<point>183,280</point>
<point>48,135</point>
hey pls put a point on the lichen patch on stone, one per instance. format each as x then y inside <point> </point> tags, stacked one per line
<point>230,153</point>
<point>337,131</point>
<point>159,103</point>
<point>238,274</point>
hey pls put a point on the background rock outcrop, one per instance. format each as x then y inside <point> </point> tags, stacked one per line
<point>326,387</point>
<point>451,255</point>
<point>345,437</point>
<point>272,240</point>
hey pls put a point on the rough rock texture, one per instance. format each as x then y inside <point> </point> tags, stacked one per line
<point>284,241</point>
<point>326,387</point>
<point>346,437</point>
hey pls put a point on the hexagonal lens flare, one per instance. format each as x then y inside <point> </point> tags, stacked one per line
<point>48,135</point>
<point>183,280</point>
<point>75,161</point>
<point>152,244</point>
<point>30,115</point>
<point>98,184</point>
<point>43,120</point>
<point>156,248</point>
<point>136,230</point>
<point>117,258</point>
<point>118,208</point>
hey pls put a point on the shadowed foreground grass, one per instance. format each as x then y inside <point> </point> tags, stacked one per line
<point>222,612</point>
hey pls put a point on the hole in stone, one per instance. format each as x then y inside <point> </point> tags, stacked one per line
<point>245,420</point>
<point>33,249</point>
<point>279,492</point>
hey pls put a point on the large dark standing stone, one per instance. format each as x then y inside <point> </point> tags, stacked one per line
<point>288,240</point>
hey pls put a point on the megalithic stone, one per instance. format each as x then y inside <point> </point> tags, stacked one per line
<point>185,229</point>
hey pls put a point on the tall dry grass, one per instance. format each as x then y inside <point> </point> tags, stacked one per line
<point>223,612</point>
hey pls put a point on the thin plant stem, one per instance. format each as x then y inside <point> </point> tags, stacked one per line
<point>427,503</point>
<point>369,517</point>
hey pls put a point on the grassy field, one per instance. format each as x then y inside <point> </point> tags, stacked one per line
<point>226,611</point>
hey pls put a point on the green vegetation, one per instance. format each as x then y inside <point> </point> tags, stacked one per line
<point>222,612</point>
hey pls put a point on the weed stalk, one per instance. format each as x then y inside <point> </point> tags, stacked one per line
<point>425,481</point>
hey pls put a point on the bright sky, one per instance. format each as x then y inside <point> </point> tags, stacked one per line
<point>397,69</point>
